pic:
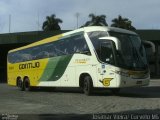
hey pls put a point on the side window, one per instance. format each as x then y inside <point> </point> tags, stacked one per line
<point>26,54</point>
<point>80,45</point>
<point>50,48</point>
<point>106,52</point>
<point>94,37</point>
<point>70,45</point>
<point>19,56</point>
<point>47,51</point>
<point>14,57</point>
<point>10,58</point>
<point>34,52</point>
<point>59,48</point>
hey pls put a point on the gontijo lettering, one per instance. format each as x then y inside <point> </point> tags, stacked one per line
<point>29,65</point>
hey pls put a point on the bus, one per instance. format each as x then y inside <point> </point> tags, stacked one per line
<point>89,58</point>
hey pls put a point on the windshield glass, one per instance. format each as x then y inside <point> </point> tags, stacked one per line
<point>103,48</point>
<point>132,54</point>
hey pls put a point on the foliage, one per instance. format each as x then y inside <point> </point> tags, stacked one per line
<point>99,20</point>
<point>121,22</point>
<point>51,23</point>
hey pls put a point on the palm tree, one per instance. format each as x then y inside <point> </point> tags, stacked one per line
<point>121,22</point>
<point>51,23</point>
<point>99,20</point>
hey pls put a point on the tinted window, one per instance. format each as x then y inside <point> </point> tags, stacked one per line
<point>94,36</point>
<point>64,46</point>
<point>106,52</point>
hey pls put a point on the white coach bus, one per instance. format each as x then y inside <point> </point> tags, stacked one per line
<point>89,57</point>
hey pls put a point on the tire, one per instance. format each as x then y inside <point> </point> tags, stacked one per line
<point>87,85</point>
<point>27,86</point>
<point>20,84</point>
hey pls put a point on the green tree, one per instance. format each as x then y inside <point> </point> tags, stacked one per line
<point>51,23</point>
<point>121,22</point>
<point>99,20</point>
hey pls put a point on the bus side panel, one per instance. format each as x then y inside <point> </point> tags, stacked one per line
<point>83,65</point>
<point>55,70</point>
<point>68,78</point>
<point>32,69</point>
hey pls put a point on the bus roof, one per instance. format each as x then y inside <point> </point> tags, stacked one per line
<point>84,29</point>
<point>103,28</point>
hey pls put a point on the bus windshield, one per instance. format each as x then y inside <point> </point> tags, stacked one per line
<point>131,56</point>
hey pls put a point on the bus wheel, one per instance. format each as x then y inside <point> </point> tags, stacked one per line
<point>87,85</point>
<point>27,86</point>
<point>20,84</point>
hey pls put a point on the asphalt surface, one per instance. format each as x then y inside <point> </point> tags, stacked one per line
<point>73,101</point>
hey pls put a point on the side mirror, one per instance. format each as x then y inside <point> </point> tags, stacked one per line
<point>115,40</point>
<point>151,44</point>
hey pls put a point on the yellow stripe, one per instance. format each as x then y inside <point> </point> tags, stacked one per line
<point>47,40</point>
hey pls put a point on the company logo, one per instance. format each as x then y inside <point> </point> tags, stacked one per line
<point>29,65</point>
<point>106,81</point>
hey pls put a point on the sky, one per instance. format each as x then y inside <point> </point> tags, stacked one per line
<point>29,15</point>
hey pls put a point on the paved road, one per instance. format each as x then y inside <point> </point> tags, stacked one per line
<point>73,101</point>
